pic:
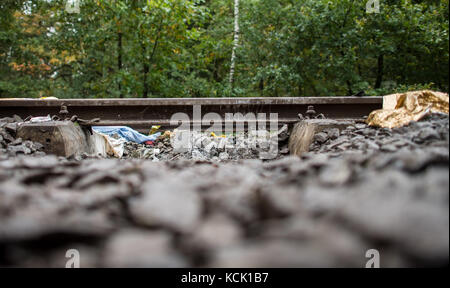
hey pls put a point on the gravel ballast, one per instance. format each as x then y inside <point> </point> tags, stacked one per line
<point>362,188</point>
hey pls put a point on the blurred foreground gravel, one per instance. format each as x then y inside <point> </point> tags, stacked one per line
<point>325,209</point>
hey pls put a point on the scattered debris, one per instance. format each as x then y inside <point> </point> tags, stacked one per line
<point>127,133</point>
<point>209,146</point>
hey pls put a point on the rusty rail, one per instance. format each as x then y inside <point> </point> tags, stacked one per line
<point>141,114</point>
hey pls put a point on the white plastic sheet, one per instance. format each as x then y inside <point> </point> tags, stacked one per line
<point>105,145</point>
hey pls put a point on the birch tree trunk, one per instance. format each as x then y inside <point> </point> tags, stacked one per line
<point>235,42</point>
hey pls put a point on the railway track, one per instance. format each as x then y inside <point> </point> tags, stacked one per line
<point>141,114</point>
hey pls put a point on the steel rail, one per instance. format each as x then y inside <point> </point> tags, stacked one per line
<point>141,114</point>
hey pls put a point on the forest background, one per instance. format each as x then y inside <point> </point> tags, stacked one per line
<point>193,48</point>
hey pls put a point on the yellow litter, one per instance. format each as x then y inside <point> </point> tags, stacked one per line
<point>154,129</point>
<point>48,98</point>
<point>402,108</point>
<point>215,135</point>
<point>166,134</point>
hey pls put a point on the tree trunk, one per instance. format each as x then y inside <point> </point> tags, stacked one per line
<point>119,59</point>
<point>379,71</point>
<point>349,87</point>
<point>145,70</point>
<point>235,42</point>
<point>148,60</point>
<point>261,87</point>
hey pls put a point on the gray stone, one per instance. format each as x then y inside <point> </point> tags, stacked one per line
<point>210,146</point>
<point>283,133</point>
<point>372,145</point>
<point>17,118</point>
<point>18,149</point>
<point>350,128</point>
<point>197,155</point>
<point>11,128</point>
<point>418,228</point>
<point>17,141</point>
<point>42,219</point>
<point>221,144</point>
<point>389,148</point>
<point>170,205</point>
<point>217,231</point>
<point>427,134</point>
<point>338,142</point>
<point>223,156</point>
<point>6,137</point>
<point>321,137</point>
<point>336,174</point>
<point>333,133</point>
<point>275,254</point>
<point>139,249</point>
<point>205,141</point>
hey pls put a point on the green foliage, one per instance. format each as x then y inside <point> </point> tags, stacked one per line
<point>182,48</point>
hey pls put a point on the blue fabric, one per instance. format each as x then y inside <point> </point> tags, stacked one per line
<point>126,133</point>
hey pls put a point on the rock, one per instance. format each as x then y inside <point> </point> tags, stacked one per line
<point>11,128</point>
<point>318,160</point>
<point>198,143</point>
<point>224,156</point>
<point>333,133</point>
<point>321,137</point>
<point>399,143</point>
<point>17,141</point>
<point>46,162</point>
<point>6,137</point>
<point>284,150</point>
<point>368,132</point>
<point>217,231</point>
<point>210,146</point>
<point>276,203</point>
<point>351,128</point>
<point>274,254</point>
<point>17,118</point>
<point>427,134</point>
<point>372,145</point>
<point>197,155</point>
<point>205,141</point>
<point>36,222</point>
<point>373,216</point>
<point>388,148</point>
<point>301,228</point>
<point>36,146</point>
<point>221,144</point>
<point>337,142</point>
<point>139,249</point>
<point>283,133</point>
<point>170,205</point>
<point>18,149</point>
<point>7,120</point>
<point>336,174</point>
<point>344,146</point>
